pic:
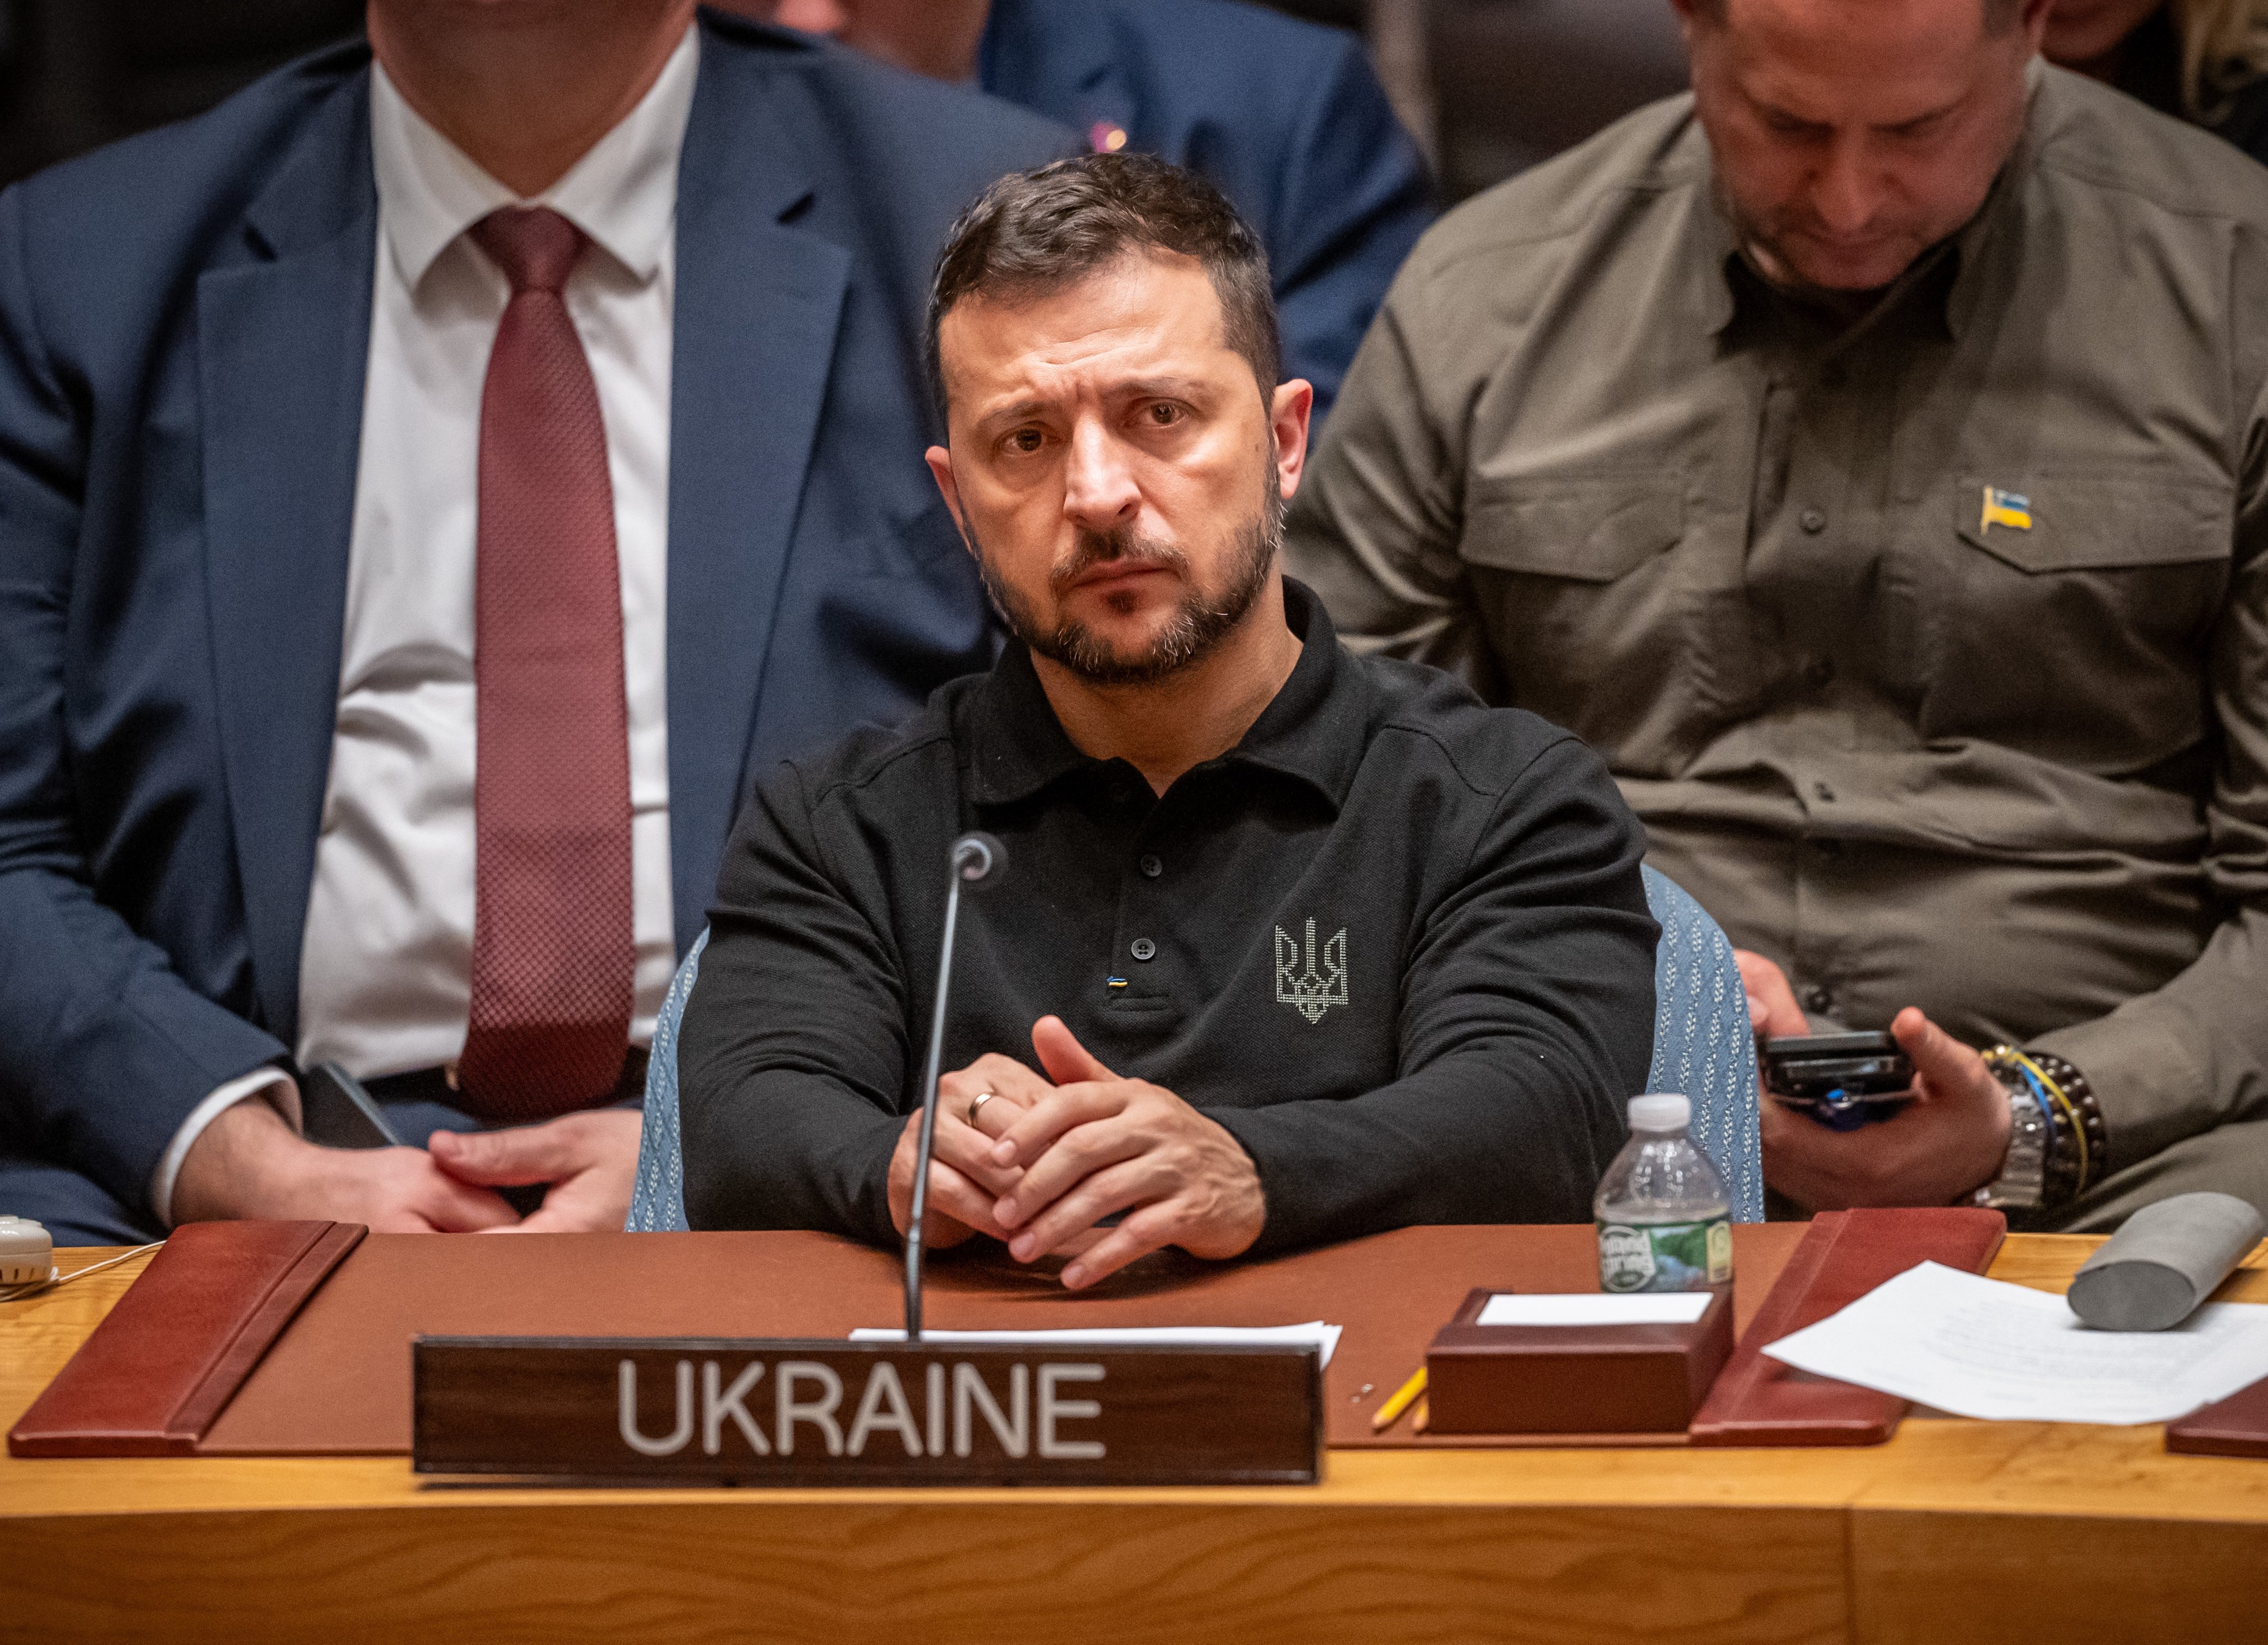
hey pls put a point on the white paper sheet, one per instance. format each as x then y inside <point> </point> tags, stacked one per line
<point>1594,1308</point>
<point>1324,1337</point>
<point>1979,1347</point>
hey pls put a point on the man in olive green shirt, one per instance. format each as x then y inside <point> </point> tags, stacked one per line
<point>1869,455</point>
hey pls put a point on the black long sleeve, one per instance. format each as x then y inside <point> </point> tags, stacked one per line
<point>1396,942</point>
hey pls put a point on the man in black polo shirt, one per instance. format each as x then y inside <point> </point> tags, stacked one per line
<point>1307,946</point>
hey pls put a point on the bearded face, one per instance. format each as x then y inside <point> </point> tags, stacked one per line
<point>1207,610</point>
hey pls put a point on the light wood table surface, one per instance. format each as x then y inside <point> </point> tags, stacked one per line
<point>1954,1530</point>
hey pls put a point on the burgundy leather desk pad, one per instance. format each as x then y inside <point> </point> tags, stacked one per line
<point>338,1381</point>
<point>1845,1254</point>
<point>171,1354</point>
<point>2233,1427</point>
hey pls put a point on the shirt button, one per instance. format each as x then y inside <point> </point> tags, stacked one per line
<point>1121,791</point>
<point>1819,999</point>
<point>1823,791</point>
<point>1144,948</point>
<point>1812,521</point>
<point>1152,867</point>
<point>1817,673</point>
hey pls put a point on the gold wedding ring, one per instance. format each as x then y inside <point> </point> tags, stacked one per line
<point>975,1103</point>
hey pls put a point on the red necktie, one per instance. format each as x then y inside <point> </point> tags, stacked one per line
<point>552,942</point>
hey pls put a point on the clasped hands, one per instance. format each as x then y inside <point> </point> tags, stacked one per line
<point>1049,1157</point>
<point>1949,1139</point>
<point>249,1162</point>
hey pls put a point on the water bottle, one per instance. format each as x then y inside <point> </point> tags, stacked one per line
<point>1664,1215</point>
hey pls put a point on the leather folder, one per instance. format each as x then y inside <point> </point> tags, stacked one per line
<point>1845,1254</point>
<point>2233,1427</point>
<point>155,1373</point>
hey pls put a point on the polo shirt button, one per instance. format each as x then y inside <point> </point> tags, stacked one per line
<point>1813,522</point>
<point>1823,791</point>
<point>1144,948</point>
<point>1152,867</point>
<point>1819,998</point>
<point>1817,673</point>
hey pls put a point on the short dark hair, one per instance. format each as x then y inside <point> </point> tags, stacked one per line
<point>1037,231</point>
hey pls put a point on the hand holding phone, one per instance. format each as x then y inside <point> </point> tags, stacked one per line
<point>1841,1080</point>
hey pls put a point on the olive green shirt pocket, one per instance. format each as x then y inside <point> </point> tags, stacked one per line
<point>2127,566</point>
<point>1578,566</point>
<point>1590,529</point>
<point>2104,518</point>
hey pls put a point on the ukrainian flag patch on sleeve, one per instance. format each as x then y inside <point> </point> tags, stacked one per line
<point>2012,509</point>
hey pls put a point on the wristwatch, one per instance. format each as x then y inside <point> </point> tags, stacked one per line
<point>2023,1183</point>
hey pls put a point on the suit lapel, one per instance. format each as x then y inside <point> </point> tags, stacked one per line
<point>757,307</point>
<point>283,340</point>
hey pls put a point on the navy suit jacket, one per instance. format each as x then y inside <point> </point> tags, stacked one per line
<point>1285,117</point>
<point>184,327</point>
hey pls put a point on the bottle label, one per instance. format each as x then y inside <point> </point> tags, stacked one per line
<point>1665,1256</point>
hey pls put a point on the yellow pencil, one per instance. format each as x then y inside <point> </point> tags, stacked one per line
<point>1391,1411</point>
<point>1418,1423</point>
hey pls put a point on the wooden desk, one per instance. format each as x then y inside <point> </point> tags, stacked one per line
<point>1953,1531</point>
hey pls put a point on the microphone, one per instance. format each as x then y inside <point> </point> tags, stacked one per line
<point>978,860</point>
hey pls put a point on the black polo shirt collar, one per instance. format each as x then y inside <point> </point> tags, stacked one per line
<point>1313,731</point>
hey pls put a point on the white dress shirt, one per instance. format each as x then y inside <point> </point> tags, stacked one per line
<point>386,960</point>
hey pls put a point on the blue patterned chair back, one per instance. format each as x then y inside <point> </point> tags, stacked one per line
<point>1701,1046</point>
<point>658,1201</point>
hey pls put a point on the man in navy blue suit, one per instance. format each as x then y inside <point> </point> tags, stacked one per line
<point>540,381</point>
<point>1285,118</point>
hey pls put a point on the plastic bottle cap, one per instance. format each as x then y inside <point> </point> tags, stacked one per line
<point>1661,1110</point>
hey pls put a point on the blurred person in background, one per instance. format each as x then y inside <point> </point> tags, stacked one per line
<point>1868,454</point>
<point>2203,60</point>
<point>1284,117</point>
<point>435,486</point>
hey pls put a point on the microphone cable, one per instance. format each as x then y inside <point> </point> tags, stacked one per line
<point>56,1278</point>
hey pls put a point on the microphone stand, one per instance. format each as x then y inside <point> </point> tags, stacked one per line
<point>977,858</point>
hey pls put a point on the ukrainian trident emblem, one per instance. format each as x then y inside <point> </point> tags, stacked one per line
<point>1312,991</point>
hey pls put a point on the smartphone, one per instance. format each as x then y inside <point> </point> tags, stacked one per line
<point>1841,1080</point>
<point>335,1111</point>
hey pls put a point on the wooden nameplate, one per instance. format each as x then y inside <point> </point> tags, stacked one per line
<point>1588,1379</point>
<point>798,1413</point>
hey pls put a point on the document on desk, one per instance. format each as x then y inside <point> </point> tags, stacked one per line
<point>1980,1347</point>
<point>1324,1337</point>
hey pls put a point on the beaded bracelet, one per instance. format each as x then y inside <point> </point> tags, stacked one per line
<point>2078,1146</point>
<point>2093,1138</point>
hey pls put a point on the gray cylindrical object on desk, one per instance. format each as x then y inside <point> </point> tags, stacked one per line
<point>2155,1270</point>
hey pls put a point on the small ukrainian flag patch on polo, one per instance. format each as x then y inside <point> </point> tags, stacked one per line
<point>2006,508</point>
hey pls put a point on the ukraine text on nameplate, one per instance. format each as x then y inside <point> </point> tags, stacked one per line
<point>695,1410</point>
